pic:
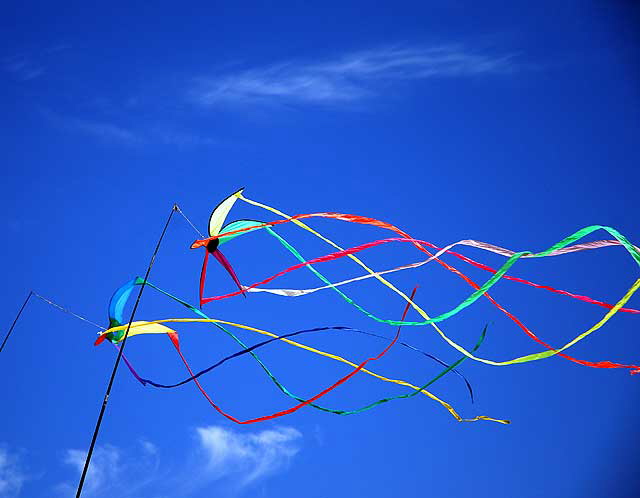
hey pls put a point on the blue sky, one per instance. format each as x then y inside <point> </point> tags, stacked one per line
<point>515,125</point>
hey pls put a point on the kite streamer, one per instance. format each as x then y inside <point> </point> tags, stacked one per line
<point>587,299</point>
<point>155,327</point>
<point>151,327</point>
<point>116,309</point>
<point>561,247</point>
<point>536,356</point>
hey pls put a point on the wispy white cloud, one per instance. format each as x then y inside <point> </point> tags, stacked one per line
<point>179,138</point>
<point>112,472</point>
<point>105,468</point>
<point>102,130</point>
<point>31,64</point>
<point>146,118</point>
<point>22,67</point>
<point>129,136</point>
<point>352,77</point>
<point>12,474</point>
<point>221,459</point>
<point>247,456</point>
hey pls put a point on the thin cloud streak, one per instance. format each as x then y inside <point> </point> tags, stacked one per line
<point>22,67</point>
<point>12,475</point>
<point>105,131</point>
<point>105,468</point>
<point>353,77</point>
<point>29,65</point>
<point>248,456</point>
<point>113,133</point>
<point>223,460</point>
<point>112,472</point>
<point>99,129</point>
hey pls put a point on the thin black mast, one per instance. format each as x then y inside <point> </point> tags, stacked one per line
<point>121,350</point>
<point>16,320</point>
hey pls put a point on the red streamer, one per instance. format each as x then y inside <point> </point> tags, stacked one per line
<point>419,244</point>
<point>295,408</point>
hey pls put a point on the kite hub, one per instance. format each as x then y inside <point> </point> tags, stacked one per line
<point>212,245</point>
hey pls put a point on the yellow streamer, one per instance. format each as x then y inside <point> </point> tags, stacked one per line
<point>138,328</point>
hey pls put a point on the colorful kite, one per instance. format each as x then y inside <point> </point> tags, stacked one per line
<point>218,236</point>
<point>219,233</point>
<point>120,329</point>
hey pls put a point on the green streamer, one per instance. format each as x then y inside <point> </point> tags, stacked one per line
<point>635,254</point>
<point>288,393</point>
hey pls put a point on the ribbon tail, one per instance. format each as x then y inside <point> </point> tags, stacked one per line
<point>130,367</point>
<point>203,276</point>
<point>227,266</point>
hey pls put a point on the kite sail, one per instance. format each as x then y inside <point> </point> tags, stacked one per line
<point>219,235</point>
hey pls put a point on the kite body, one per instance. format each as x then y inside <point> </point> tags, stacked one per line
<point>217,237</point>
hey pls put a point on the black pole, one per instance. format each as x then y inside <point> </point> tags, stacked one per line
<point>16,320</point>
<point>121,350</point>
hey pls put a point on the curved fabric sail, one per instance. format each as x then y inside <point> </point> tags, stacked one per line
<point>220,212</point>
<point>117,304</point>
<point>239,227</point>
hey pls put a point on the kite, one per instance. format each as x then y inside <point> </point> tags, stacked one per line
<point>221,232</point>
<point>216,238</point>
